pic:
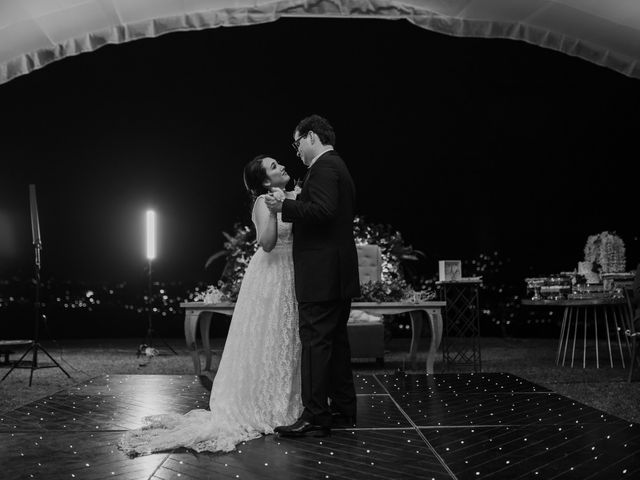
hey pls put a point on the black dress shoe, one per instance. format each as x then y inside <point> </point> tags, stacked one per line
<point>340,420</point>
<point>303,428</point>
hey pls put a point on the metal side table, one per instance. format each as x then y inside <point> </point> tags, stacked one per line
<point>461,339</point>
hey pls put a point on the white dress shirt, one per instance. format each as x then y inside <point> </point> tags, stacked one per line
<point>313,160</point>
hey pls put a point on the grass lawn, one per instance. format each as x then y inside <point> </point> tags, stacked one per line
<point>530,358</point>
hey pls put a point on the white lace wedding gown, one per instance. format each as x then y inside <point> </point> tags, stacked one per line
<point>257,385</point>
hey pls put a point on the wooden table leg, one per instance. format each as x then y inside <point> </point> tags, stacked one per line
<point>205,325</point>
<point>190,324</point>
<point>435,319</point>
<point>417,321</point>
<point>435,322</point>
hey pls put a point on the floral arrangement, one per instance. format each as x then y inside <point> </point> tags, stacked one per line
<point>211,295</point>
<point>396,271</point>
<point>238,250</point>
<point>396,256</point>
<point>606,251</point>
<point>398,291</point>
<point>382,291</point>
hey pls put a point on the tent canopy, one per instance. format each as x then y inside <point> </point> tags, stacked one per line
<point>34,33</point>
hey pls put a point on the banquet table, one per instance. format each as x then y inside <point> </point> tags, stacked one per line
<point>200,313</point>
<point>586,310</point>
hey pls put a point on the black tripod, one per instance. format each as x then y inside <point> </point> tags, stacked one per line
<point>150,331</point>
<point>34,345</point>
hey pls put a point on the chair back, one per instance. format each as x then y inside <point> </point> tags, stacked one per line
<point>369,263</point>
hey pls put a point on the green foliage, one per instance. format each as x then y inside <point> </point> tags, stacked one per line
<point>396,257</point>
<point>238,250</point>
<point>382,291</point>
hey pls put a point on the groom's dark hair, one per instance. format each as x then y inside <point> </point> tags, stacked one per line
<point>254,176</point>
<point>318,125</point>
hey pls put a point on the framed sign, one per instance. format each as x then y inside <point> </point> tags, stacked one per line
<point>450,270</point>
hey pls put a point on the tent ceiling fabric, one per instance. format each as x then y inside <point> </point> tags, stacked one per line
<point>34,33</point>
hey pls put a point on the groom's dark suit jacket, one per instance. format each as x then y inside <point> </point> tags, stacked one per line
<point>324,252</point>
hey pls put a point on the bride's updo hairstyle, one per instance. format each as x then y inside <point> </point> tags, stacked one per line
<point>254,177</point>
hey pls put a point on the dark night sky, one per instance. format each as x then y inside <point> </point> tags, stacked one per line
<point>464,145</point>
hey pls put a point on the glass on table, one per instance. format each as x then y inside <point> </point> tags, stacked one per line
<point>534,285</point>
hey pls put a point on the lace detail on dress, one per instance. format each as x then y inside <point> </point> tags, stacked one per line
<point>285,230</point>
<point>257,385</point>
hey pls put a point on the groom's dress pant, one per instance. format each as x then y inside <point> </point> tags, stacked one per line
<point>326,361</point>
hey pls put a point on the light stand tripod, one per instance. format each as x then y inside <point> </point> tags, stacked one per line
<point>151,254</point>
<point>150,331</point>
<point>34,345</point>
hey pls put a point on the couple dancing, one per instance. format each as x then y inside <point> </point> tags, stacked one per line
<point>286,364</point>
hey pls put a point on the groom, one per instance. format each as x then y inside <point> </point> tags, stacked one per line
<point>326,279</point>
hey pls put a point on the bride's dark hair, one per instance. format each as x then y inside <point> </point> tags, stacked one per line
<point>254,176</point>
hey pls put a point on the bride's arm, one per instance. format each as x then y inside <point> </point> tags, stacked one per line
<point>266,225</point>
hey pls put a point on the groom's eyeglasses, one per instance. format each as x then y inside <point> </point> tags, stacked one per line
<point>296,143</point>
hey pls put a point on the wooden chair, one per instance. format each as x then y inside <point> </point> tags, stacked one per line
<point>366,339</point>
<point>369,263</point>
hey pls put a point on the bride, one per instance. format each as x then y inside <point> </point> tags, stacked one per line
<point>257,385</point>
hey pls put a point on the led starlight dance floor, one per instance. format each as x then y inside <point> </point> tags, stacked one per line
<point>410,426</point>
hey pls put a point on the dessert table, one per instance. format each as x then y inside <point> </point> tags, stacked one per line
<point>585,310</point>
<point>200,313</point>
